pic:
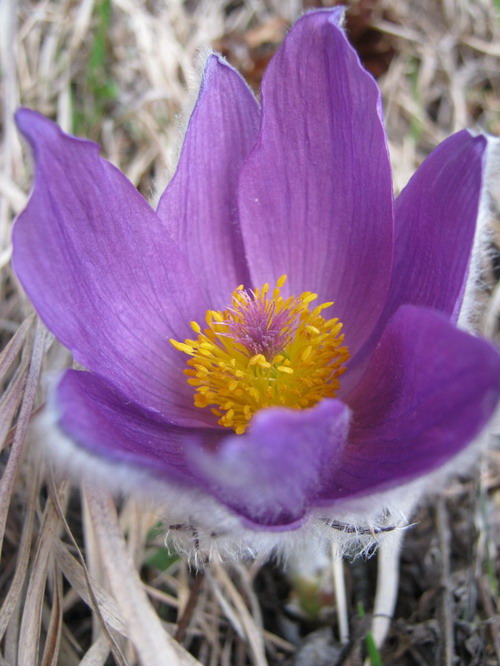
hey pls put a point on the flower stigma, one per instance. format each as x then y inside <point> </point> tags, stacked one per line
<point>264,351</point>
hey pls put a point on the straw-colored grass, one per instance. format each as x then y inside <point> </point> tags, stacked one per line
<point>84,581</point>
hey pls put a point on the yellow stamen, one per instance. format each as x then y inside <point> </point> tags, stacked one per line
<point>263,351</point>
<point>181,346</point>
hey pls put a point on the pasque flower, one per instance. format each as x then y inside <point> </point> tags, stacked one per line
<point>277,342</point>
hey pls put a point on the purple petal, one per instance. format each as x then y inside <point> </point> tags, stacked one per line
<point>103,273</point>
<point>200,205</point>
<point>101,421</point>
<point>271,474</point>
<point>428,391</point>
<point>316,193</point>
<point>436,218</point>
<point>268,476</point>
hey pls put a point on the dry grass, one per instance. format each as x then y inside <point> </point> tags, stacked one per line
<point>83,582</point>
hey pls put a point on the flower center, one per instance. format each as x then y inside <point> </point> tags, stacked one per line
<point>264,351</point>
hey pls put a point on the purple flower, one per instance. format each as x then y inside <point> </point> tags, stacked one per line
<point>213,376</point>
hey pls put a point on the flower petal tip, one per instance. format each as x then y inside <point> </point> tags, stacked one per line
<point>38,129</point>
<point>271,474</point>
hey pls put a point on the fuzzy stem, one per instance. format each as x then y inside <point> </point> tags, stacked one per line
<point>387,585</point>
<point>340,594</point>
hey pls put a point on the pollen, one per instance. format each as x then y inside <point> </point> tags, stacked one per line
<point>264,350</point>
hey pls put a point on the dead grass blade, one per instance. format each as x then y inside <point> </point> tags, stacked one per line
<point>10,401</point>
<point>97,654</point>
<point>29,637</point>
<point>153,645</point>
<point>14,346</point>
<point>11,601</point>
<point>104,607</point>
<point>12,468</point>
<point>53,638</point>
<point>248,624</point>
<point>82,582</point>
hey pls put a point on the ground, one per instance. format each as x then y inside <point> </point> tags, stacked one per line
<point>120,72</point>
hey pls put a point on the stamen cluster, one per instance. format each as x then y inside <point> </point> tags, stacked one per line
<point>264,351</point>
